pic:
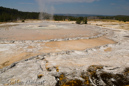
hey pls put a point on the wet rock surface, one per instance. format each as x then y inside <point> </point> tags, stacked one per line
<point>96,76</point>
<point>40,73</point>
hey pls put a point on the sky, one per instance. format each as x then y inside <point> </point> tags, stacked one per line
<point>97,7</point>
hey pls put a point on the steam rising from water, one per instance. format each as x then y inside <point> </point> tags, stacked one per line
<point>45,7</point>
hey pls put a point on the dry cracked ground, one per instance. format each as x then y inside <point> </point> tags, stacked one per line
<point>53,53</point>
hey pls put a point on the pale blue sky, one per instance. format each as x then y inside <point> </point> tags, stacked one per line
<point>102,7</point>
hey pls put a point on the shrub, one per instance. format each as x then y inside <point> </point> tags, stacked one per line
<point>85,20</point>
<point>82,20</point>
<point>23,20</point>
<point>78,21</point>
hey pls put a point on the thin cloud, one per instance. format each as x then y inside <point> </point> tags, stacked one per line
<point>27,3</point>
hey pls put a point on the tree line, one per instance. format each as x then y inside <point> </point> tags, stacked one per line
<point>118,17</point>
<point>79,20</point>
<point>8,14</point>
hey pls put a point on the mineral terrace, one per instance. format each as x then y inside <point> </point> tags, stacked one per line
<point>53,53</point>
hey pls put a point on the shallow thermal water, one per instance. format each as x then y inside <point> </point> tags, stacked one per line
<point>51,30</point>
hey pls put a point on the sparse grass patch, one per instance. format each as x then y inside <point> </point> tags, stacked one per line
<point>103,20</point>
<point>124,26</point>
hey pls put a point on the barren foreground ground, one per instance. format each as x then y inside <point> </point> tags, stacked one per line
<point>64,53</point>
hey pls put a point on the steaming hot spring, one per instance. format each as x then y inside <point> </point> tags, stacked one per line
<point>55,52</point>
<point>43,25</point>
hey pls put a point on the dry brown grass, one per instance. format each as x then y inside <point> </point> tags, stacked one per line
<point>110,23</point>
<point>125,27</point>
<point>103,20</point>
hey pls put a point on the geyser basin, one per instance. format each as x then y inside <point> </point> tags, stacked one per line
<point>26,50</point>
<point>26,31</point>
<point>47,30</point>
<point>44,65</point>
